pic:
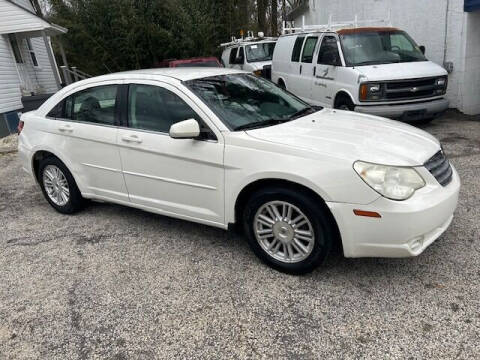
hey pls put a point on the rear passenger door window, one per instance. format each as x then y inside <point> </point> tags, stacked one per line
<point>94,105</point>
<point>156,109</point>
<point>309,49</point>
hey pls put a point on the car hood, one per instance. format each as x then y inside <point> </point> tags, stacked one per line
<point>352,136</point>
<point>400,71</point>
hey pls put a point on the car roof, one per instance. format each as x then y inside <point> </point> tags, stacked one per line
<point>178,73</point>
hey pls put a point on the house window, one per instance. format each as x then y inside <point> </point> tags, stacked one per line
<point>16,49</point>
<point>32,52</point>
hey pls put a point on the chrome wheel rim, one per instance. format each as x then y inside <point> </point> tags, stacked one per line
<point>284,232</point>
<point>56,185</point>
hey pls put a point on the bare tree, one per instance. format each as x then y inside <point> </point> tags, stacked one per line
<point>274,18</point>
<point>262,15</point>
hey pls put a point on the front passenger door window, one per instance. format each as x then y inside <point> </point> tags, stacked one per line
<point>156,109</point>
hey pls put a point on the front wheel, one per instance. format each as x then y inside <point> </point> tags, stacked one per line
<point>288,230</point>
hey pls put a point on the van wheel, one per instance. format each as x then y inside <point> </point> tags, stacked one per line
<point>287,230</point>
<point>59,187</point>
<point>281,84</point>
<point>344,103</point>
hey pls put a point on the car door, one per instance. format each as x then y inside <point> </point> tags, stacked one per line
<point>86,124</point>
<point>307,67</point>
<point>178,177</point>
<point>295,69</point>
<point>325,82</point>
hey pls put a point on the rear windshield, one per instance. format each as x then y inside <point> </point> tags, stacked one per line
<point>379,47</point>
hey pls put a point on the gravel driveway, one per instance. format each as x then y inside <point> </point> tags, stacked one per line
<point>119,283</point>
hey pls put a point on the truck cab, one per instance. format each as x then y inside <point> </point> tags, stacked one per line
<point>375,70</point>
<point>249,54</point>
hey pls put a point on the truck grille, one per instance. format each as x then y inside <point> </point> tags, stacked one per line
<point>440,168</point>
<point>410,89</point>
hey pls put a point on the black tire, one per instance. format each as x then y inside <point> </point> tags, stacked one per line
<point>281,84</point>
<point>344,103</point>
<point>317,214</point>
<point>75,201</point>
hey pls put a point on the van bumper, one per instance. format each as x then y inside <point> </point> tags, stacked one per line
<point>407,112</point>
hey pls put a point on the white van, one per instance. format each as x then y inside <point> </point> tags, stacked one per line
<point>375,70</point>
<point>250,54</point>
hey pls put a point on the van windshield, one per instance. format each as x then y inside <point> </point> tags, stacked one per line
<point>260,52</point>
<point>379,47</point>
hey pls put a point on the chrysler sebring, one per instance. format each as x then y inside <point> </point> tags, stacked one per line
<point>223,147</point>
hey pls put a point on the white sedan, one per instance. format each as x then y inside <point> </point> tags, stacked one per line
<point>224,147</point>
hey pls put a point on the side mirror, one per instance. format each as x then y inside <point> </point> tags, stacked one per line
<point>422,49</point>
<point>186,129</point>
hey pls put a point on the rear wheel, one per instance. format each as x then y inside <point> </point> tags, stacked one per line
<point>282,84</point>
<point>58,186</point>
<point>288,230</point>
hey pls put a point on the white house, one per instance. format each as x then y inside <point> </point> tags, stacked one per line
<point>449,29</point>
<point>27,64</point>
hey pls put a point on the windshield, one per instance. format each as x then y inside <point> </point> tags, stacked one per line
<point>379,47</point>
<point>260,52</point>
<point>245,101</point>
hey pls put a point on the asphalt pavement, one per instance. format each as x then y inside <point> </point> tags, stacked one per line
<point>118,283</point>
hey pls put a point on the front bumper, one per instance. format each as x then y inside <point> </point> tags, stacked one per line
<point>407,112</point>
<point>406,228</point>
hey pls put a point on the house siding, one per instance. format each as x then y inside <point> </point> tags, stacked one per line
<point>41,77</point>
<point>10,95</point>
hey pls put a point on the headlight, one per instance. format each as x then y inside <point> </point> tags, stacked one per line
<point>441,85</point>
<point>396,183</point>
<point>370,91</point>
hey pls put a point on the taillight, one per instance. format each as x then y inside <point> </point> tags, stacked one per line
<point>20,127</point>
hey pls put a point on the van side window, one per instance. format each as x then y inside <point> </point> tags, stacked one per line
<point>308,49</point>
<point>93,105</point>
<point>241,56</point>
<point>328,54</point>
<point>233,55</point>
<point>297,48</point>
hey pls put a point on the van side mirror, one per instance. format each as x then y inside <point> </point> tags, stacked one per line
<point>186,129</point>
<point>422,49</point>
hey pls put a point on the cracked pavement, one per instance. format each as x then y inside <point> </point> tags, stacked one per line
<point>119,283</point>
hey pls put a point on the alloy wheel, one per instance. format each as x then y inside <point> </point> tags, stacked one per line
<point>284,231</point>
<point>56,185</point>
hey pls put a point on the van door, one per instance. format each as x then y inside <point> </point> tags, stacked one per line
<point>294,71</point>
<point>325,81</point>
<point>237,58</point>
<point>307,68</point>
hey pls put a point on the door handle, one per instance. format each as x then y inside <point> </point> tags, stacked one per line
<point>65,128</point>
<point>131,138</point>
<point>314,70</point>
<point>300,69</point>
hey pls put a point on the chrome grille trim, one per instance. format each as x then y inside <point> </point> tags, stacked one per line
<point>440,168</point>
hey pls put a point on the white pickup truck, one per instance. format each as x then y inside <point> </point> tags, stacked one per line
<point>375,70</point>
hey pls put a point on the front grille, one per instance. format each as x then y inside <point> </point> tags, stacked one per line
<point>410,89</point>
<point>440,168</point>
